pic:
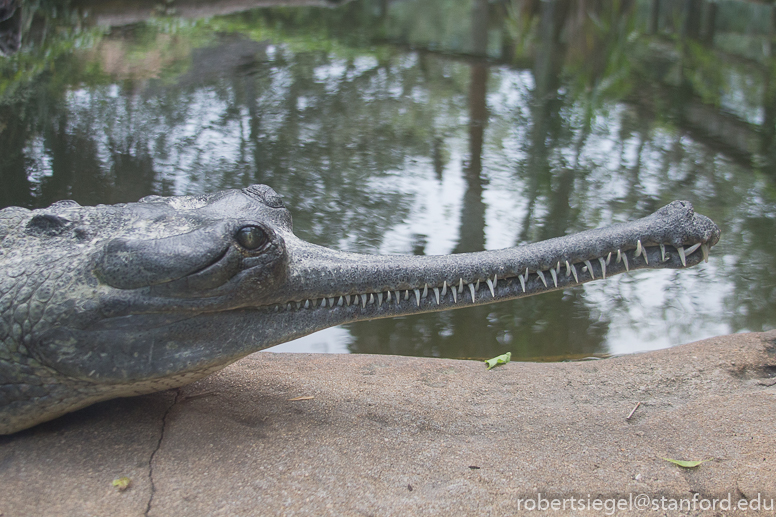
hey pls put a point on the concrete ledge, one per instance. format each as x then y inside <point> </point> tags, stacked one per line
<point>386,435</point>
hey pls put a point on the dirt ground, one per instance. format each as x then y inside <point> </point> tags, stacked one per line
<point>298,434</point>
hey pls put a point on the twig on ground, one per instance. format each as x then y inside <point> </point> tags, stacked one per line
<point>633,411</point>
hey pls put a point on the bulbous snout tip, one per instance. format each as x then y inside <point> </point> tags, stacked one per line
<point>710,232</point>
<point>687,226</point>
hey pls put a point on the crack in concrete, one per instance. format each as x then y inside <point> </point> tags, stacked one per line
<point>153,454</point>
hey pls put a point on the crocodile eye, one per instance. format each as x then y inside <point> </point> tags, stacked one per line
<point>251,237</point>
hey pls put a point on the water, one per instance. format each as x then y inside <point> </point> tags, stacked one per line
<point>430,128</point>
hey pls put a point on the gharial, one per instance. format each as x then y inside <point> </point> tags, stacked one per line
<point>119,300</point>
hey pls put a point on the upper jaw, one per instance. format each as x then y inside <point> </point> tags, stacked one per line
<point>672,237</point>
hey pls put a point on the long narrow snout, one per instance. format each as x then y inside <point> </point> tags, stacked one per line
<point>371,286</point>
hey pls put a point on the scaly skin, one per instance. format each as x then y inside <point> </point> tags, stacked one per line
<point>111,301</point>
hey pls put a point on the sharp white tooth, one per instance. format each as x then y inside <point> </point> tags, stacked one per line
<point>298,305</point>
<point>522,282</point>
<point>417,296</point>
<point>436,293</point>
<point>455,295</point>
<point>340,301</point>
<point>495,280</point>
<point>460,286</point>
<point>288,306</point>
<point>568,268</point>
<point>705,250</point>
<point>644,252</point>
<point>490,286</point>
<point>477,286</point>
<point>554,277</point>
<point>323,302</point>
<point>371,298</point>
<point>388,296</point>
<point>425,291</point>
<point>590,269</point>
<point>662,253</point>
<point>638,248</point>
<point>526,275</point>
<point>471,288</point>
<point>619,256</point>
<point>397,295</point>
<point>692,249</point>
<point>625,261</point>
<point>406,294</point>
<point>608,258</point>
<point>541,276</point>
<point>574,272</point>
<point>557,268</point>
<point>379,299</point>
<point>331,302</point>
<point>363,301</point>
<point>307,304</point>
<point>444,288</point>
<point>603,266</point>
<point>347,299</point>
<point>680,249</point>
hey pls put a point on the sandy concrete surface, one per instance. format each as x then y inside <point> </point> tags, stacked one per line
<point>386,435</point>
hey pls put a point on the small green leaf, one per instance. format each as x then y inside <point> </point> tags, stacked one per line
<point>121,483</point>
<point>502,359</point>
<point>687,464</point>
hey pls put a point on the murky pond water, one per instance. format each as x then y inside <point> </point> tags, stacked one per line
<point>425,127</point>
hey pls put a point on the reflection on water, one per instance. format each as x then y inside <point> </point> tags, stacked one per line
<point>429,128</point>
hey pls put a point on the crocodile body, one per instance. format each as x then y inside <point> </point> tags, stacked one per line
<point>119,300</point>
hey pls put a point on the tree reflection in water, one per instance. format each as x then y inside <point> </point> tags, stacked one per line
<point>427,127</point>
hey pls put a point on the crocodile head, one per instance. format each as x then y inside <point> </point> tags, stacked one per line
<point>107,301</point>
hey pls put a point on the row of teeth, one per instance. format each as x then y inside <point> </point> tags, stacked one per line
<point>387,296</point>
